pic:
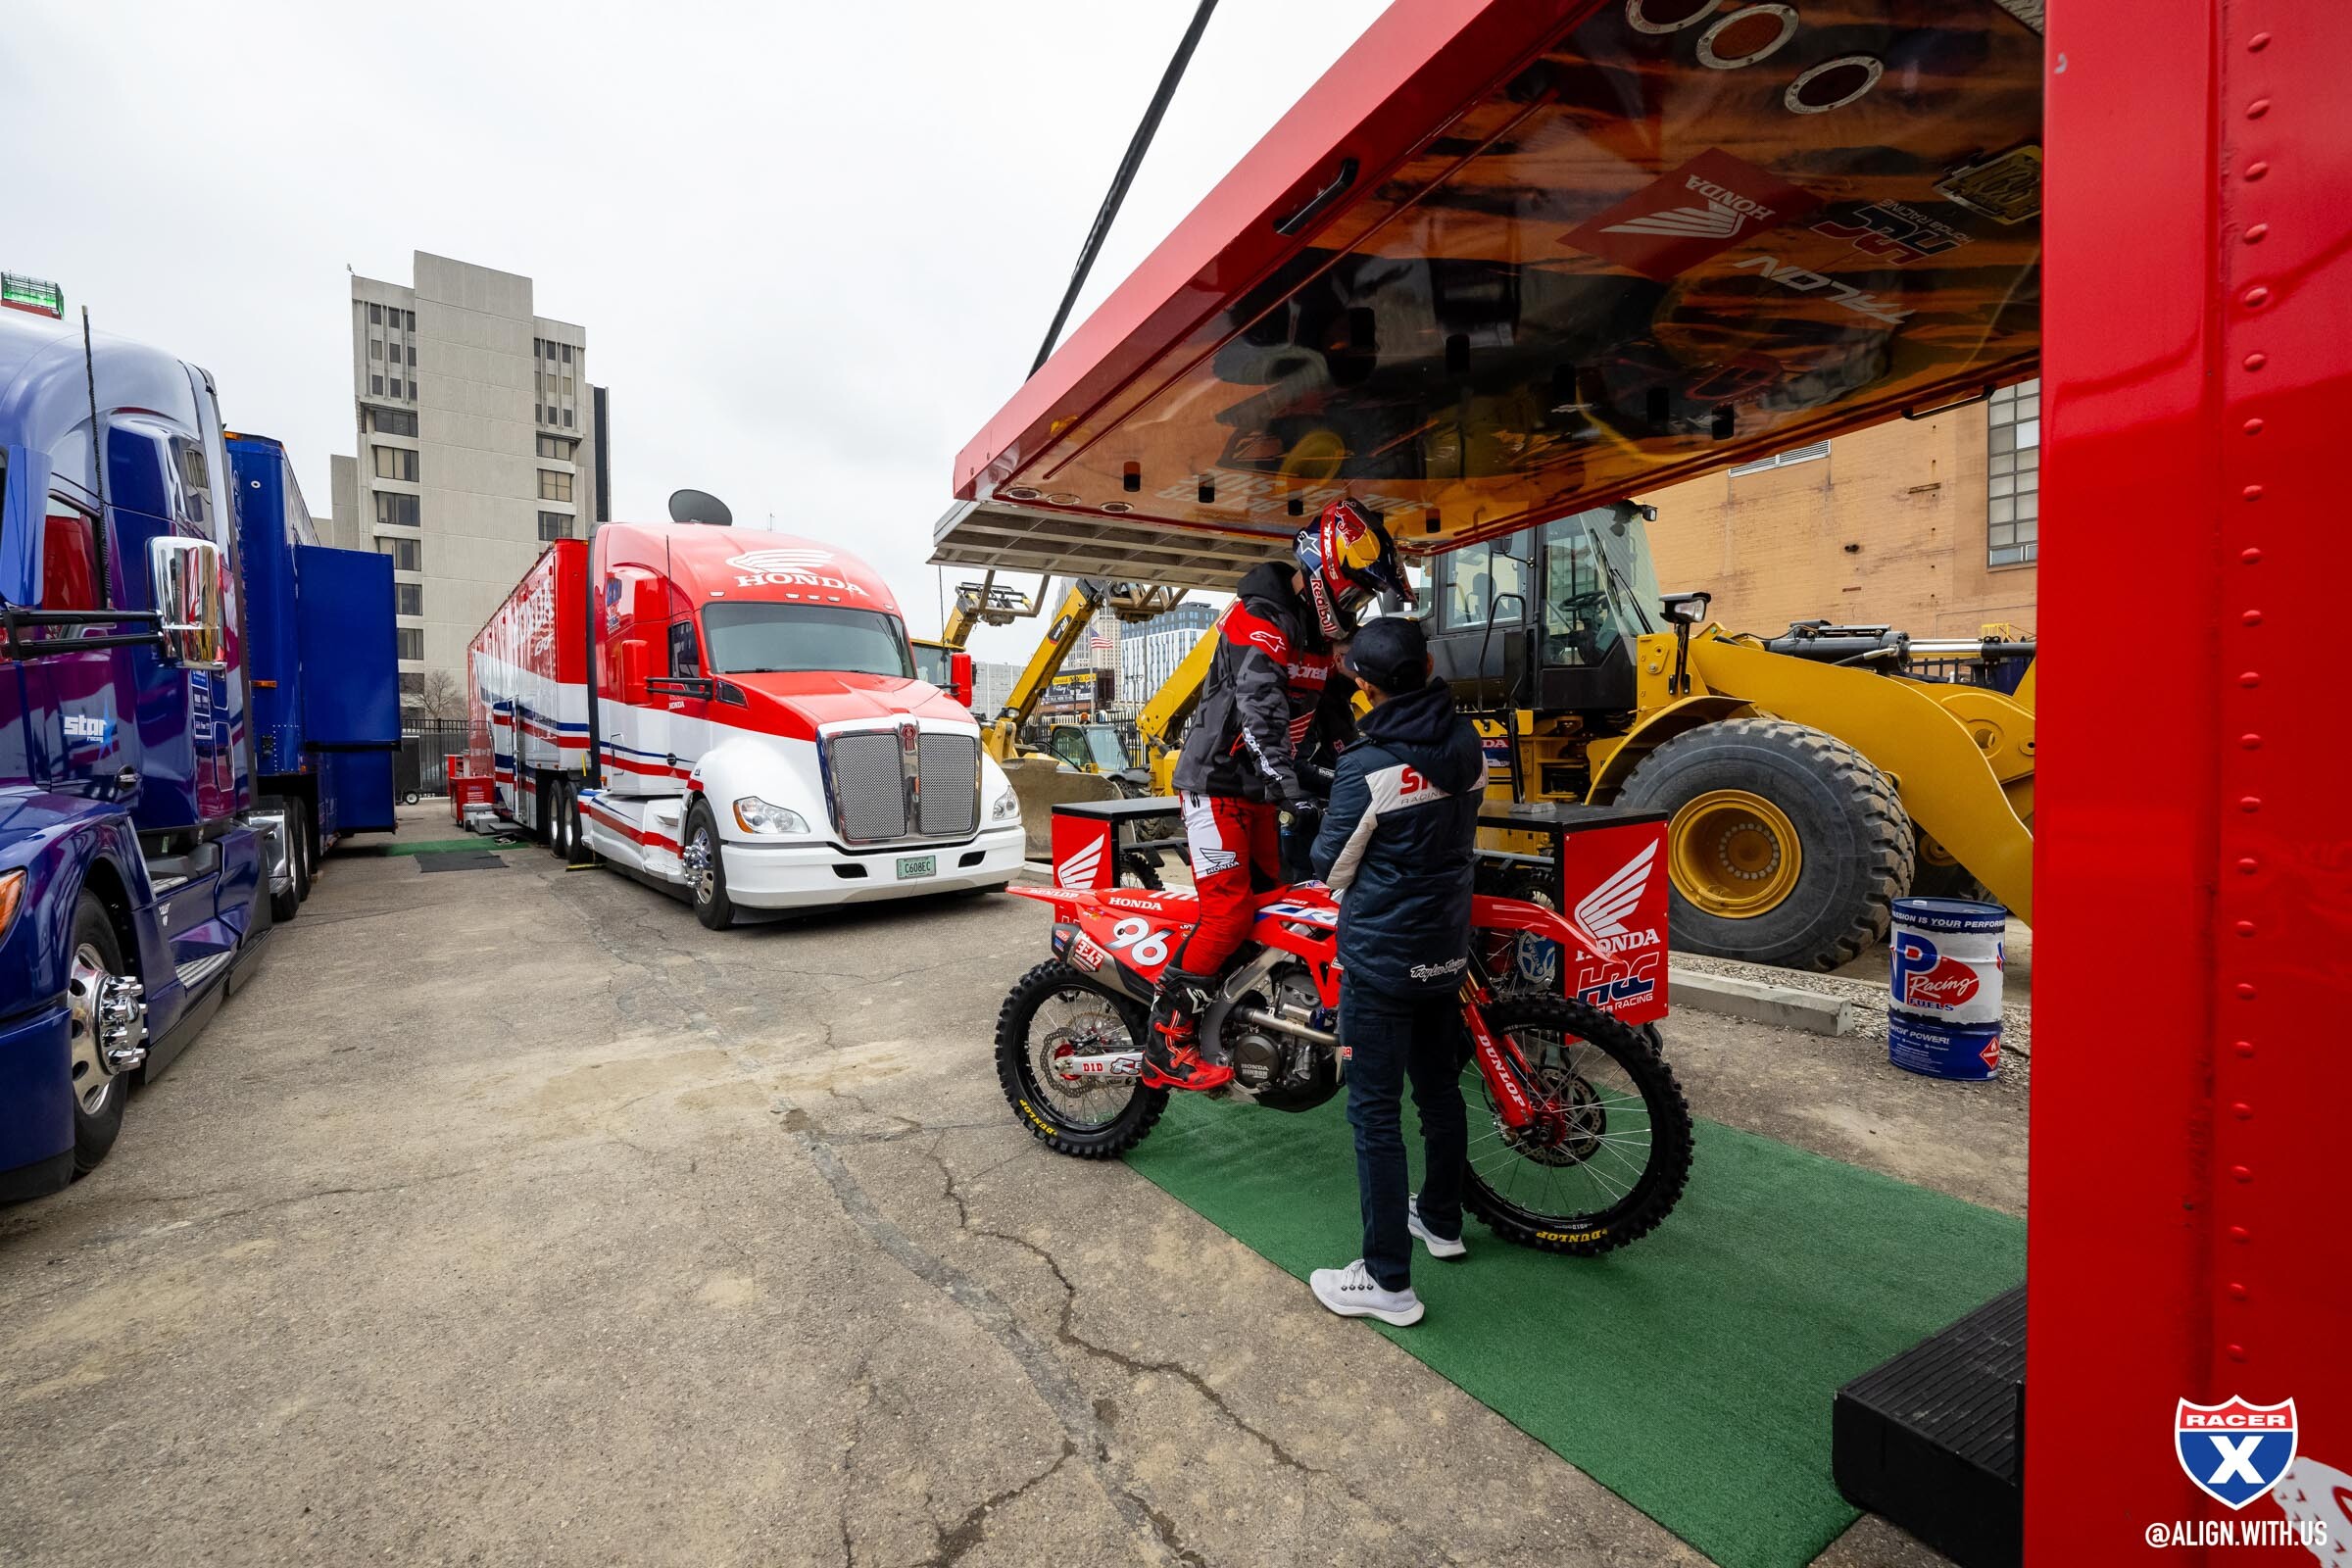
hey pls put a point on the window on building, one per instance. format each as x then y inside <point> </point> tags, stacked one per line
<point>396,462</point>
<point>375,348</point>
<point>415,390</point>
<point>1782,460</point>
<point>554,485</point>
<point>554,525</point>
<point>408,599</point>
<point>376,384</point>
<point>566,354</point>
<point>375,315</point>
<point>412,683</point>
<point>411,642</point>
<point>555,446</point>
<point>408,320</point>
<point>396,392</point>
<point>408,554</point>
<point>395,510</point>
<point>2013,476</point>
<point>566,418</point>
<point>538,414</point>
<point>411,354</point>
<point>392,421</point>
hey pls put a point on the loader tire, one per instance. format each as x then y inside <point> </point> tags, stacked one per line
<point>1737,789</point>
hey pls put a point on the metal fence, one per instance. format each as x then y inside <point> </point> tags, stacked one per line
<point>425,747</point>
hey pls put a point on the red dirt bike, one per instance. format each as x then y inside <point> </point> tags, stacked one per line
<point>1587,1143</point>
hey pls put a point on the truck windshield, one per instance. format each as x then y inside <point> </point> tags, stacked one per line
<point>1598,585</point>
<point>759,639</point>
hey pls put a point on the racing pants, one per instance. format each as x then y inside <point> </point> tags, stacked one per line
<point>1231,842</point>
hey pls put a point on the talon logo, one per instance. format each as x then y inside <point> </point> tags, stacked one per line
<point>2235,1452</point>
<point>1925,978</point>
<point>1690,213</point>
<point>790,566</point>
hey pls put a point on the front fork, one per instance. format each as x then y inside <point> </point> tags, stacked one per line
<point>1499,1062</point>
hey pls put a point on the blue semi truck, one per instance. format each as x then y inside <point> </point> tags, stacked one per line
<point>322,657</point>
<point>136,861</point>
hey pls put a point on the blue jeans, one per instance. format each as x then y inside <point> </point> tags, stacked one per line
<point>1389,1038</point>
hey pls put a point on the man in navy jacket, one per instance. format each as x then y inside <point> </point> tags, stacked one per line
<point>1398,842</point>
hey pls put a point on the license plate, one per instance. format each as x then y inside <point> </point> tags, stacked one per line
<point>917,866</point>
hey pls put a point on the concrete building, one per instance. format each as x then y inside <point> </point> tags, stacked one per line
<point>1151,651</point>
<point>1930,526</point>
<point>993,681</point>
<point>479,437</point>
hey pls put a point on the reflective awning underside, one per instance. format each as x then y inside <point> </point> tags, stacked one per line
<point>1542,254</point>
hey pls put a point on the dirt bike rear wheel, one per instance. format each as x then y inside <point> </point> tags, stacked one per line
<point>1049,1011</point>
<point>1616,1161</point>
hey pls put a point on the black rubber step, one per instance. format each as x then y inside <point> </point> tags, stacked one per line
<point>1934,1438</point>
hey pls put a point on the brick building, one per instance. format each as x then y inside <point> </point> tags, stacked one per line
<point>1930,525</point>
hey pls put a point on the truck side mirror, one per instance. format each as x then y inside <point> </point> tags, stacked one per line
<point>959,673</point>
<point>186,573</point>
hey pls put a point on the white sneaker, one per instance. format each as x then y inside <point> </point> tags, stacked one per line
<point>1353,1291</point>
<point>1438,1246</point>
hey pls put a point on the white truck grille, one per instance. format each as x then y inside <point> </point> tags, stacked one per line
<point>951,771</point>
<point>884,789</point>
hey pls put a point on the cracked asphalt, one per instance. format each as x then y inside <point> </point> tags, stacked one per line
<point>510,1216</point>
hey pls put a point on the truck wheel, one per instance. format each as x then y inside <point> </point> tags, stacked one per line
<point>548,826</point>
<point>707,870</point>
<point>98,1095</point>
<point>298,830</point>
<point>563,822</point>
<point>1786,846</point>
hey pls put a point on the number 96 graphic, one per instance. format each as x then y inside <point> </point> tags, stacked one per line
<point>1145,945</point>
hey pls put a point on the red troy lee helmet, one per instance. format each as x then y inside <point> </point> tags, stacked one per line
<point>1346,557</point>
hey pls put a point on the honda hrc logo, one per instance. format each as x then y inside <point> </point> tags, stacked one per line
<point>1725,214</point>
<point>1602,912</point>
<point>790,568</point>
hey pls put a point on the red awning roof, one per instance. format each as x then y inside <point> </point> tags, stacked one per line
<point>1546,252</point>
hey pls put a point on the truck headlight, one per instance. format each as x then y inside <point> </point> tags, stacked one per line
<point>755,815</point>
<point>1008,805</point>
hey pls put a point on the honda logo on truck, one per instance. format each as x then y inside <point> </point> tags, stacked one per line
<point>790,568</point>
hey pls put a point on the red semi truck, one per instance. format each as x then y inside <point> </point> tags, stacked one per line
<point>735,714</point>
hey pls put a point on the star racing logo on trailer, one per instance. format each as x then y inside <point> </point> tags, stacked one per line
<point>791,566</point>
<point>2235,1452</point>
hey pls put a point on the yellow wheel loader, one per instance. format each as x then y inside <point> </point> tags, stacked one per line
<point>1813,778</point>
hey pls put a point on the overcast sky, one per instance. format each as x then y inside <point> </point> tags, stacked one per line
<point>814,246</point>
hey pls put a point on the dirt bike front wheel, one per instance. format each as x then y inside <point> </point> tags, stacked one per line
<point>1048,1024</point>
<point>1609,1153</point>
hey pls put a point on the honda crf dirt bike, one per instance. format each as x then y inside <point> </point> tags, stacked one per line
<point>1585,1142</point>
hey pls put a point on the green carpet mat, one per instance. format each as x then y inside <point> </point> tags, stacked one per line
<point>436,846</point>
<point>1689,1373</point>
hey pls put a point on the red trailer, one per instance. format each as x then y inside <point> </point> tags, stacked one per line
<point>1510,257</point>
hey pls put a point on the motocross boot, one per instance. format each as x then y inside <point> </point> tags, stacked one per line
<point>1172,1057</point>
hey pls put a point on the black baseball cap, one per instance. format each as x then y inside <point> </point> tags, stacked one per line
<point>1391,653</point>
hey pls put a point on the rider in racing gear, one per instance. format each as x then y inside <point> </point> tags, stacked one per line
<point>1270,699</point>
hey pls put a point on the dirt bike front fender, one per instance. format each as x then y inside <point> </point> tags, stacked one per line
<point>1489,913</point>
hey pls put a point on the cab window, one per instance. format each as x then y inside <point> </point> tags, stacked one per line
<point>685,652</point>
<point>69,557</point>
<point>1482,579</point>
